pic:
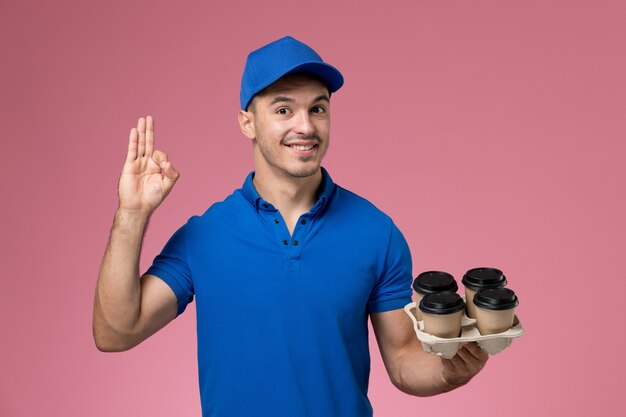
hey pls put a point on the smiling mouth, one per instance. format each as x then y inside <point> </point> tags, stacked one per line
<point>302,147</point>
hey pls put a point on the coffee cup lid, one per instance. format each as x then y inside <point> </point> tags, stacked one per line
<point>434,281</point>
<point>445,302</point>
<point>496,299</point>
<point>479,278</point>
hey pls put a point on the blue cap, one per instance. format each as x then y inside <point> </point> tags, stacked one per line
<point>275,60</point>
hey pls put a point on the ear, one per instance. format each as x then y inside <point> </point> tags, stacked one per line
<point>246,123</point>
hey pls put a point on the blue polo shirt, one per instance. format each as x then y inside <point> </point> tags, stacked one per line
<point>282,320</point>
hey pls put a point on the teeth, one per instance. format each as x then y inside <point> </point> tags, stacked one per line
<point>302,148</point>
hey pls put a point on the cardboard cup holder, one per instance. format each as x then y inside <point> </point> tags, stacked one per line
<point>447,348</point>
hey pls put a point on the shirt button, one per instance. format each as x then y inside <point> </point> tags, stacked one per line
<point>276,221</point>
<point>303,221</point>
<point>295,243</point>
<point>285,242</point>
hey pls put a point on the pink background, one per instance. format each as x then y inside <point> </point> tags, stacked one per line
<point>492,132</point>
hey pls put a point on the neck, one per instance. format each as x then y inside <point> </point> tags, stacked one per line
<point>288,194</point>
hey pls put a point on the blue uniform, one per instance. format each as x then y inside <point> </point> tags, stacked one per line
<point>282,320</point>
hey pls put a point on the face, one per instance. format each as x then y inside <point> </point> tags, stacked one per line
<point>289,125</point>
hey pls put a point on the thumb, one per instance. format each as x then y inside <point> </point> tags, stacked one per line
<point>170,174</point>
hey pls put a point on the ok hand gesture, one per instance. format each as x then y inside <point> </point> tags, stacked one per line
<point>148,176</point>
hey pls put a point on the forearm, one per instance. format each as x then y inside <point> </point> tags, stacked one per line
<point>118,293</point>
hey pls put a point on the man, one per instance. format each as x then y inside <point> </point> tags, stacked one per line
<point>285,271</point>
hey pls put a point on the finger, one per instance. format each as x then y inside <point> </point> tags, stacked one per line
<point>448,365</point>
<point>159,157</point>
<point>475,350</point>
<point>472,364</point>
<point>141,129</point>
<point>171,174</point>
<point>132,146</point>
<point>458,362</point>
<point>451,372</point>
<point>467,358</point>
<point>149,135</point>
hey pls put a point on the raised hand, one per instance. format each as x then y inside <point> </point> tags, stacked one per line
<point>148,176</point>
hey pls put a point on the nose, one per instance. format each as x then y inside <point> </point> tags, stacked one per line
<point>303,124</point>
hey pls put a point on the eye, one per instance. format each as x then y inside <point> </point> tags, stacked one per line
<point>283,111</point>
<point>318,109</point>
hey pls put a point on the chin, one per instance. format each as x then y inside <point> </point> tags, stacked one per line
<point>303,172</point>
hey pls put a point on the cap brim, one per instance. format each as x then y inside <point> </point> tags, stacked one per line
<point>329,74</point>
<point>326,72</point>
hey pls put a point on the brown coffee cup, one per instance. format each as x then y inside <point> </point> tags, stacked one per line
<point>442,313</point>
<point>431,282</point>
<point>495,310</point>
<point>477,279</point>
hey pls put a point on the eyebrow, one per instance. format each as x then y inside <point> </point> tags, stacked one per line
<point>321,97</point>
<point>286,99</point>
<point>280,99</point>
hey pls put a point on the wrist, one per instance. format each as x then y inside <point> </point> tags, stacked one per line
<point>131,218</point>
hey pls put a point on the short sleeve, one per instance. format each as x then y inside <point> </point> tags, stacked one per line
<point>172,266</point>
<point>393,289</point>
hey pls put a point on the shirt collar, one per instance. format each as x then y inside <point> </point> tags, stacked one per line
<point>326,190</point>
